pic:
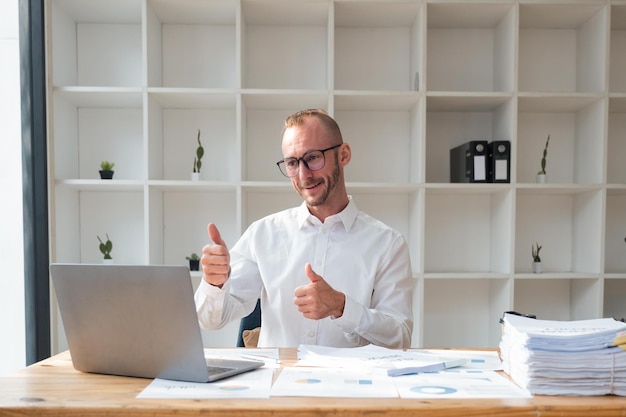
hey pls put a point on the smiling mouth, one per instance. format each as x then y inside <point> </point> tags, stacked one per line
<point>310,186</point>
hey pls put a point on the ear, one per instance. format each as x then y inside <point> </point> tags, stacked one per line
<point>344,154</point>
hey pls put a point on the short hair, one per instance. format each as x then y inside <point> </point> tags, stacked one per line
<point>330,125</point>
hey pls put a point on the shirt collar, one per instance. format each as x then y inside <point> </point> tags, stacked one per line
<point>347,216</point>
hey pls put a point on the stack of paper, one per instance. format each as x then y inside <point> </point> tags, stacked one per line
<point>586,357</point>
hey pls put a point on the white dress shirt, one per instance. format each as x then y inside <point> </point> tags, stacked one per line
<point>355,253</point>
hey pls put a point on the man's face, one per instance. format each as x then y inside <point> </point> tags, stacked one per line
<point>316,187</point>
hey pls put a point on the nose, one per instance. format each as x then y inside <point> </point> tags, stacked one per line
<point>303,170</point>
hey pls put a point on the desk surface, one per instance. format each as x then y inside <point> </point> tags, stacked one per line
<point>53,388</point>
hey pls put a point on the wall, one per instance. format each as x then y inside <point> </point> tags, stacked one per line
<point>12,347</point>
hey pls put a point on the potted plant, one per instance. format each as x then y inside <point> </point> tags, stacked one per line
<point>194,262</point>
<point>106,248</point>
<point>197,160</point>
<point>541,175</point>
<point>537,269</point>
<point>106,170</point>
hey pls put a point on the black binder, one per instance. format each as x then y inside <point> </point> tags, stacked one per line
<point>499,161</point>
<point>468,162</point>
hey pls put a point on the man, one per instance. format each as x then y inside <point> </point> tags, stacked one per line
<point>325,272</point>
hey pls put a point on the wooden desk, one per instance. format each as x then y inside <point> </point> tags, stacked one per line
<point>53,388</point>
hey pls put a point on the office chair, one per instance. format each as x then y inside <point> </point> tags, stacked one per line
<point>250,322</point>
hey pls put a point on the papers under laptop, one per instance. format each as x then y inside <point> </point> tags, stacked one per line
<point>136,320</point>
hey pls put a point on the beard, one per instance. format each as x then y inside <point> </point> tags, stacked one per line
<point>329,182</point>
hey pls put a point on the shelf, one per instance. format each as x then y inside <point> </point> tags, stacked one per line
<point>377,46</point>
<point>133,81</point>
<point>616,148</point>
<point>559,299</point>
<point>96,44</point>
<point>615,235</point>
<point>576,126</point>
<point>570,231</point>
<point>467,232</point>
<point>468,302</point>
<point>454,120</point>
<point>556,38</point>
<point>470,47</point>
<point>202,35</point>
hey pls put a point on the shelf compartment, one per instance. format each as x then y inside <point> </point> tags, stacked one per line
<point>468,232</point>
<point>617,58</point>
<point>470,47</point>
<point>96,44</point>
<point>87,130</point>
<point>377,46</point>
<point>616,146</point>
<point>452,120</point>
<point>568,224</point>
<point>173,122</point>
<point>559,299</point>
<point>192,44</point>
<point>470,313</point>
<point>387,139</point>
<point>285,44</point>
<point>562,47</point>
<point>614,296</point>
<point>118,213</point>
<point>390,123</point>
<point>615,232</point>
<point>576,125</point>
<point>186,216</point>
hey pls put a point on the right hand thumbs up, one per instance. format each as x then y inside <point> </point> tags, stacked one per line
<point>215,258</point>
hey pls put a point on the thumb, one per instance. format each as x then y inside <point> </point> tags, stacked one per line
<point>313,277</point>
<point>214,234</point>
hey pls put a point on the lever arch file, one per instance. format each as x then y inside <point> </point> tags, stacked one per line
<point>468,162</point>
<point>499,161</point>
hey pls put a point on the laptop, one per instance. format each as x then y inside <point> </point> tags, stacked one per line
<point>136,320</point>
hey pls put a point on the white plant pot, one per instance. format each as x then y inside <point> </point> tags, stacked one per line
<point>195,176</point>
<point>541,178</point>
<point>107,261</point>
<point>537,268</point>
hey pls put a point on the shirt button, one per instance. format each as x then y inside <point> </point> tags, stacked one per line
<point>311,334</point>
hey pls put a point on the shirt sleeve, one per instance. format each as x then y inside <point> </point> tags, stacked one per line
<point>388,320</point>
<point>215,306</point>
<point>210,304</point>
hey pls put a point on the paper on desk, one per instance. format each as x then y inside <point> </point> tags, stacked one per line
<point>458,383</point>
<point>333,382</point>
<point>369,356</point>
<point>254,384</point>
<point>394,360</point>
<point>476,359</point>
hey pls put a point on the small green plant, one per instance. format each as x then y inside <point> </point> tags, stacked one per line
<point>543,158</point>
<point>193,257</point>
<point>194,262</point>
<point>535,252</point>
<point>106,165</point>
<point>106,247</point>
<point>197,160</point>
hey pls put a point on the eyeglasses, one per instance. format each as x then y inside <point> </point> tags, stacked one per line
<point>312,160</point>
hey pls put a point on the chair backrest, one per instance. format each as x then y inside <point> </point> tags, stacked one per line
<point>250,322</point>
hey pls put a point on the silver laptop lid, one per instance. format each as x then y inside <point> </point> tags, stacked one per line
<point>132,320</point>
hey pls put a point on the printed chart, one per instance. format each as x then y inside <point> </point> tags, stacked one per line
<point>333,382</point>
<point>458,383</point>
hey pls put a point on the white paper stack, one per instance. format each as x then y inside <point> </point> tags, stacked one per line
<point>585,357</point>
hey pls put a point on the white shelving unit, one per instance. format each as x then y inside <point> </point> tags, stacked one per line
<point>132,81</point>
